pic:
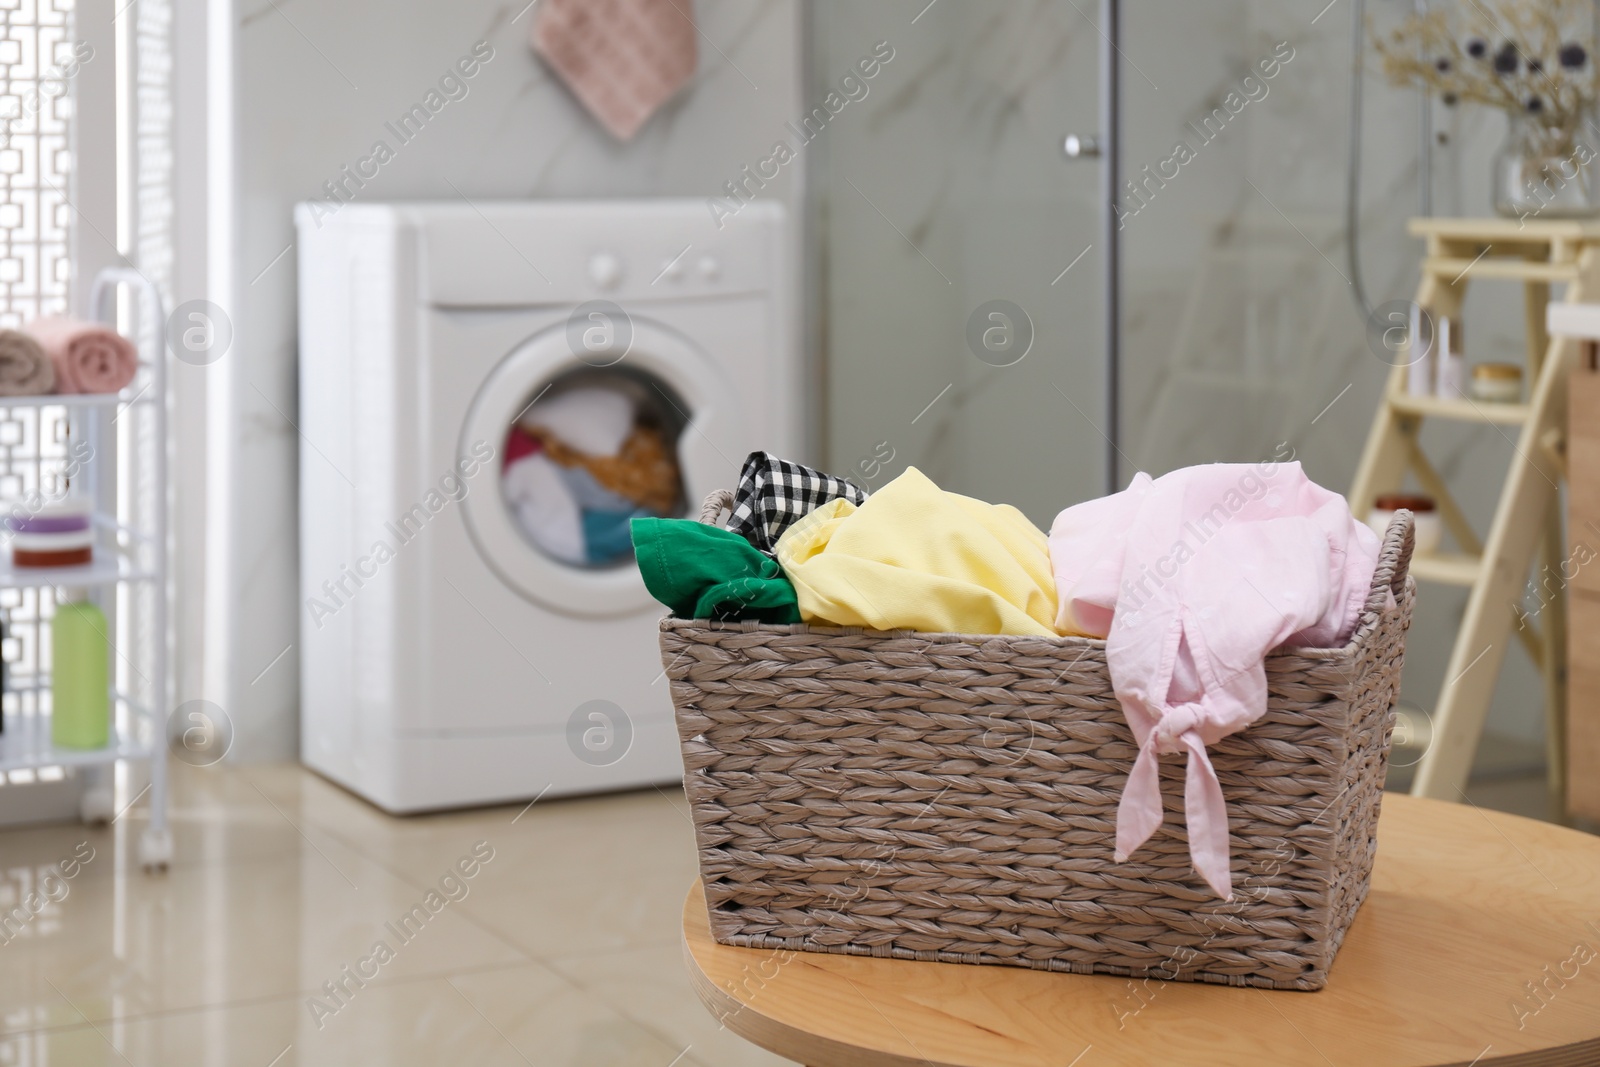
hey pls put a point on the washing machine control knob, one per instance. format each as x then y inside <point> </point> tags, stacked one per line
<point>605,270</point>
<point>710,269</point>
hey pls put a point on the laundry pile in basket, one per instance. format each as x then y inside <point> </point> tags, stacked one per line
<point>1191,579</point>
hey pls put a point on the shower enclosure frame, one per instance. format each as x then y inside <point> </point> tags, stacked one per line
<point>1111,262</point>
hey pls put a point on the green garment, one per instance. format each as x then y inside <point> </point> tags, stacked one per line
<point>706,572</point>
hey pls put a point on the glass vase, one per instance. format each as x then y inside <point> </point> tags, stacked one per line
<point>1545,169</point>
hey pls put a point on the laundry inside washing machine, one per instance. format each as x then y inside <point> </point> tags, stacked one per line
<point>592,449</point>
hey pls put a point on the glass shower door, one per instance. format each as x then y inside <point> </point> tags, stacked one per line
<point>1241,333</point>
<point>1241,336</point>
<point>956,251</point>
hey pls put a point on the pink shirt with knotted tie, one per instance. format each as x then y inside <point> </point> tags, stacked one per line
<point>1192,578</point>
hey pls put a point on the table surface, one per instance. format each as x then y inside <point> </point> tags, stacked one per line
<point>1467,908</point>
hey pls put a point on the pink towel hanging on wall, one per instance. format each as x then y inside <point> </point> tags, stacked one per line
<point>622,59</point>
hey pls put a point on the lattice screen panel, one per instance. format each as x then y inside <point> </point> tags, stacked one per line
<point>37,63</point>
<point>36,67</point>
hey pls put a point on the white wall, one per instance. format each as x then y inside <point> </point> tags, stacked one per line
<point>315,84</point>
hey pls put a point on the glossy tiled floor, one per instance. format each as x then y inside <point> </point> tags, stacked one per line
<point>562,948</point>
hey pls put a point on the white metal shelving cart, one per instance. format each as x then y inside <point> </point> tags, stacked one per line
<point>111,448</point>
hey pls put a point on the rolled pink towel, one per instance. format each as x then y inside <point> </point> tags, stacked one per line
<point>88,357</point>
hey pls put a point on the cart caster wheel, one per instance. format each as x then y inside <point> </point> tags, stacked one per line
<point>96,805</point>
<point>155,850</point>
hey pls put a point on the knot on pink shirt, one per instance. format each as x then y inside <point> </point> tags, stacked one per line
<point>1179,720</point>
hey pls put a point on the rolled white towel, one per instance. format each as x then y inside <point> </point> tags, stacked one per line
<point>25,367</point>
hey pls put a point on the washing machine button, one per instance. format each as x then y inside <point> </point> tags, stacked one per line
<point>671,269</point>
<point>605,270</point>
<point>710,269</point>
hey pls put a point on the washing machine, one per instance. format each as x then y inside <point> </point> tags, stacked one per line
<point>454,652</point>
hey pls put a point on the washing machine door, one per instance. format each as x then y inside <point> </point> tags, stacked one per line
<point>660,363</point>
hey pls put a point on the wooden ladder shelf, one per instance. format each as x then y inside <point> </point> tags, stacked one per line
<point>1527,520</point>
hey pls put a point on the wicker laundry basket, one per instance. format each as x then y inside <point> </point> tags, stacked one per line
<point>954,797</point>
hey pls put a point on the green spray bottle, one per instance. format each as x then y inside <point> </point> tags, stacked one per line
<point>80,708</point>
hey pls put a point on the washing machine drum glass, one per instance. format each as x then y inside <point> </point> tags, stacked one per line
<point>588,451</point>
<point>582,448</point>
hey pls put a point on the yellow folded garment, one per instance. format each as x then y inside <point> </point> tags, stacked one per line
<point>915,557</point>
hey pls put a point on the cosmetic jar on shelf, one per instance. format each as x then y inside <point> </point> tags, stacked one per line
<point>57,534</point>
<point>1499,383</point>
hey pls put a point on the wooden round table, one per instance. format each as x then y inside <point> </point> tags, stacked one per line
<point>1479,944</point>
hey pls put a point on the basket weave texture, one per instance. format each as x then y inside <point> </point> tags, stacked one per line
<point>954,797</point>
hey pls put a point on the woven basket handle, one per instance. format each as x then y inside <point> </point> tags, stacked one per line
<point>1394,560</point>
<point>716,502</point>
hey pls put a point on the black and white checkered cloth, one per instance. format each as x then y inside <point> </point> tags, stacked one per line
<point>773,493</point>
